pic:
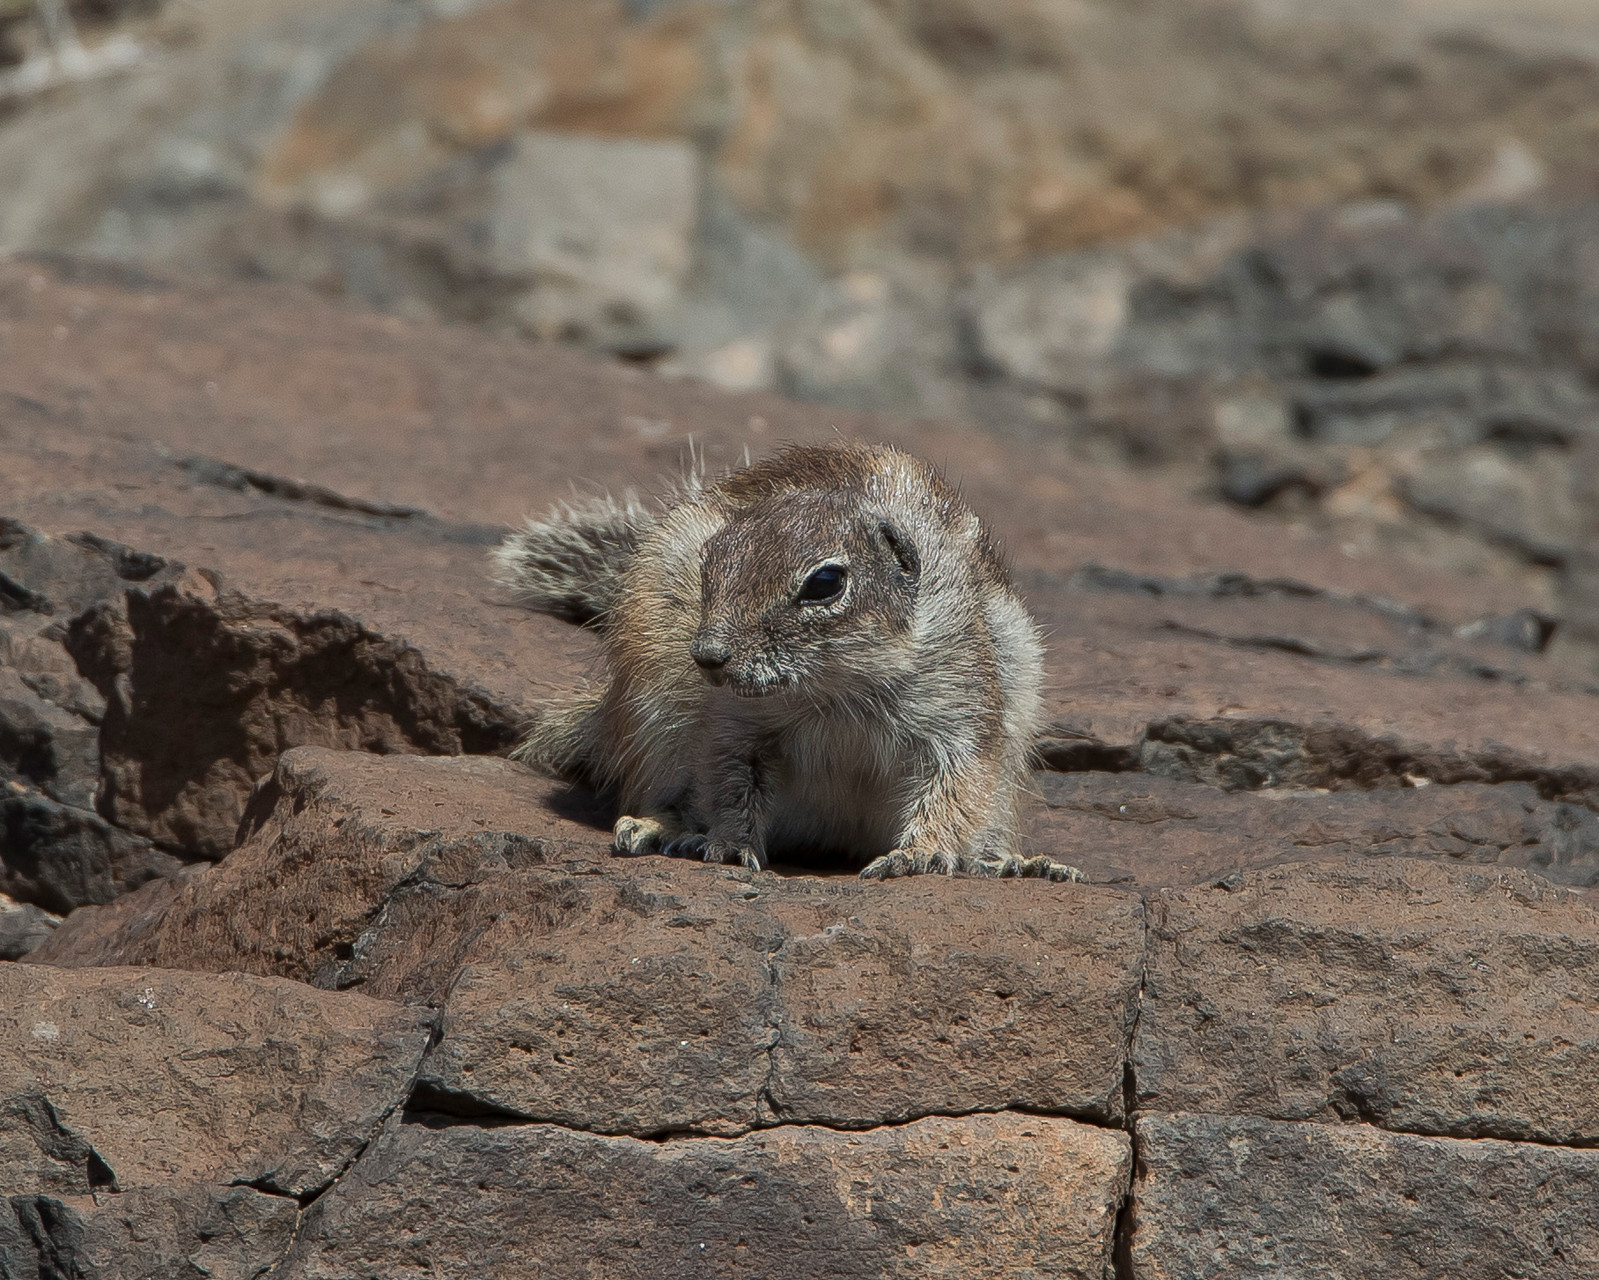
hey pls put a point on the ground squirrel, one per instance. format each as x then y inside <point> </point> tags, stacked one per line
<point>821,651</point>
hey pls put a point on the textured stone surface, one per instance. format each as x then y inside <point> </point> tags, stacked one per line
<point>963,129</point>
<point>154,1124</point>
<point>338,848</point>
<point>1244,1197</point>
<point>231,1233</point>
<point>128,1078</point>
<point>60,857</point>
<point>1417,997</point>
<point>1340,271</point>
<point>601,229</point>
<point>1142,829</point>
<point>1201,639</point>
<point>678,997</point>
<point>643,996</point>
<point>981,1196</point>
<point>1231,706</point>
<point>23,927</point>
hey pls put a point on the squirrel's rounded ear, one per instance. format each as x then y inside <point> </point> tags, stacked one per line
<point>903,548</point>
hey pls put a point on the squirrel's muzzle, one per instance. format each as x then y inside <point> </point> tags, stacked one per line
<point>711,656</point>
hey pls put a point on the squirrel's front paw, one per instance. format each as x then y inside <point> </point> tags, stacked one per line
<point>727,853</point>
<point>915,862</point>
<point>636,836</point>
<point>894,863</point>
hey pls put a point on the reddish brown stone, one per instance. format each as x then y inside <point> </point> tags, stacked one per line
<point>645,995</point>
<point>980,1196</point>
<point>348,472</point>
<point>333,842</point>
<point>1142,829</point>
<point>1242,1197</point>
<point>1418,997</point>
<point>121,1079</point>
<point>671,997</point>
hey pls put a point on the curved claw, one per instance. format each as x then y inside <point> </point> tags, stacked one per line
<point>916,862</point>
<point>690,845</point>
<point>892,865</point>
<point>727,854</point>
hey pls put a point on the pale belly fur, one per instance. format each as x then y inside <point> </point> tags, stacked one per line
<point>836,791</point>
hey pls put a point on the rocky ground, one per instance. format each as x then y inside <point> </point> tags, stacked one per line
<point>1269,337</point>
<point>317,983</point>
<point>1333,262</point>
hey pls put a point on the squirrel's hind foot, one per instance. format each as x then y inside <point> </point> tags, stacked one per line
<point>917,862</point>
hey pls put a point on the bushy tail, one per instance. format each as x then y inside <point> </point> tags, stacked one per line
<point>570,562</point>
<point>563,740</point>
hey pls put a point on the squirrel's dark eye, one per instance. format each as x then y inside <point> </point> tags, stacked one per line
<point>824,584</point>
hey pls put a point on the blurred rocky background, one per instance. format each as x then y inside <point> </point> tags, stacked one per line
<point>1338,263</point>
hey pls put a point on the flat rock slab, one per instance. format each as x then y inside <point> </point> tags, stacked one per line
<point>332,414</point>
<point>123,1079</point>
<point>1142,829</point>
<point>156,1124</point>
<point>318,498</point>
<point>669,997</point>
<point>337,847</point>
<point>1237,1197</point>
<point>979,1196</point>
<point>1421,998</point>
<point>645,995</point>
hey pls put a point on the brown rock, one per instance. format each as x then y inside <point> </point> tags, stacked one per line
<point>645,996</point>
<point>456,433</point>
<point>957,996</point>
<point>1222,652</point>
<point>204,688</point>
<point>638,1002</point>
<point>677,997</point>
<point>978,1196</point>
<point>1268,693</point>
<point>1243,1197</point>
<point>56,852</point>
<point>154,1123</point>
<point>123,1079</point>
<point>336,845</point>
<point>1417,997</point>
<point>1140,828</point>
<point>231,1233</point>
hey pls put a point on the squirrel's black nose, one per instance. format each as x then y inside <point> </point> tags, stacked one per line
<point>710,655</point>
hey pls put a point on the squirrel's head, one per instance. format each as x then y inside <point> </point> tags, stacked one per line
<point>805,591</point>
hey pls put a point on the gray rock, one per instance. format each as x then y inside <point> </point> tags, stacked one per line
<point>62,857</point>
<point>228,1233</point>
<point>23,927</point>
<point>1249,1199</point>
<point>1055,322</point>
<point>1524,500</point>
<point>55,851</point>
<point>46,746</point>
<point>601,230</point>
